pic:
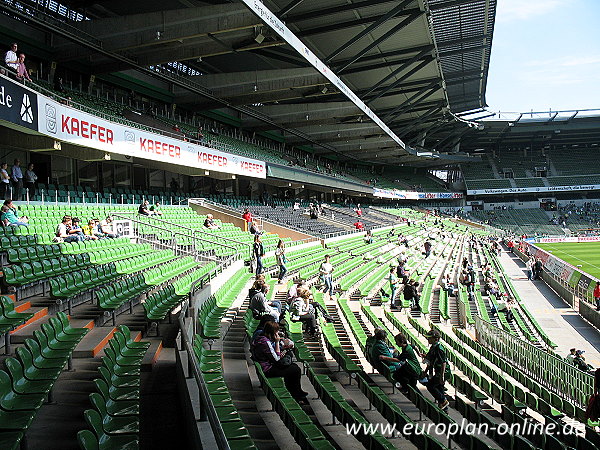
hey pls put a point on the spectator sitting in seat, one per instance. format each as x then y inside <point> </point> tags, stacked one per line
<point>63,234</point>
<point>260,304</point>
<point>22,73</point>
<point>9,218</point>
<point>402,240</point>
<point>258,282</point>
<point>359,225</point>
<point>260,328</point>
<point>368,237</point>
<point>269,350</point>
<point>209,223</point>
<point>90,230</point>
<point>77,229</point>
<point>155,209</point>
<point>106,227</point>
<point>408,373</point>
<point>504,306</point>
<point>571,356</point>
<point>580,363</point>
<point>11,206</point>
<point>302,310</point>
<point>380,355</point>
<point>143,209</point>
<point>11,59</point>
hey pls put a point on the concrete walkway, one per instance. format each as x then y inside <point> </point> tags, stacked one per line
<point>561,323</point>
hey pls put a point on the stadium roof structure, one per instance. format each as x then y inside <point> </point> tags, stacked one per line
<point>415,63</point>
<point>536,130</point>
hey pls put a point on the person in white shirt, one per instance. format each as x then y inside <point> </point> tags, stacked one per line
<point>303,311</point>
<point>11,59</point>
<point>106,227</point>
<point>326,270</point>
<point>4,181</point>
<point>529,267</point>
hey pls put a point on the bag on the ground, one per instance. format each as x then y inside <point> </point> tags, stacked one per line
<point>286,360</point>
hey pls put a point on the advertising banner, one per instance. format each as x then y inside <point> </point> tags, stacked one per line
<point>412,195</point>
<point>579,187</point>
<point>18,104</point>
<point>569,239</point>
<point>80,128</point>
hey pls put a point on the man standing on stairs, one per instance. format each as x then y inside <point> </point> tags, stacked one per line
<point>438,369</point>
<point>470,280</point>
<point>393,280</point>
<point>326,271</point>
<point>427,245</point>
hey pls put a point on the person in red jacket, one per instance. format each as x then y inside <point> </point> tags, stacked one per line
<point>597,295</point>
<point>247,216</point>
<point>359,225</point>
<point>511,245</point>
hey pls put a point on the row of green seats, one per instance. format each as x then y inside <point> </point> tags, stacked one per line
<point>25,273</point>
<point>165,271</point>
<point>33,253</point>
<point>114,295</point>
<point>141,262</point>
<point>71,284</point>
<point>115,418</point>
<point>30,377</point>
<point>213,308</point>
<point>184,284</point>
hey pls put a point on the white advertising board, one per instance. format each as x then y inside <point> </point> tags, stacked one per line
<point>80,128</point>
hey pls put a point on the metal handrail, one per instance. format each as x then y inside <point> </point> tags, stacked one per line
<point>199,201</point>
<point>193,230</point>
<point>125,216</point>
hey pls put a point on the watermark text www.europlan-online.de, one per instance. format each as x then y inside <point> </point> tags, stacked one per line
<point>457,429</point>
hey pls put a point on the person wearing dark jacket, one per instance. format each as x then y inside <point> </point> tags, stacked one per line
<point>268,350</point>
<point>409,371</point>
<point>427,246</point>
<point>437,368</point>
<point>537,269</point>
<point>411,293</point>
<point>258,252</point>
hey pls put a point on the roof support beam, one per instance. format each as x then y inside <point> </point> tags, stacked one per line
<point>423,134</point>
<point>287,8</point>
<point>333,10</point>
<point>392,13</point>
<point>402,106</point>
<point>368,60</point>
<point>397,82</point>
<point>406,21</point>
<point>153,29</point>
<point>419,120</point>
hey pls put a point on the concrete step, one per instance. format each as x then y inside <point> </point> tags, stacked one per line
<point>25,331</point>
<point>94,342</point>
<point>22,305</point>
<point>39,313</point>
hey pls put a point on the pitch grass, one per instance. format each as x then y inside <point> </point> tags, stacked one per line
<point>586,254</point>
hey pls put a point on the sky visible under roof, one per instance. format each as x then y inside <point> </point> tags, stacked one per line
<point>545,55</point>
